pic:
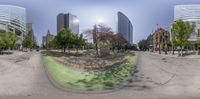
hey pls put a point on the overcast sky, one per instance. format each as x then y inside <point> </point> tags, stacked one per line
<point>144,14</point>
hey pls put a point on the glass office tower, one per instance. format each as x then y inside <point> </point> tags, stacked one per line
<point>68,21</point>
<point>125,27</point>
<point>13,19</point>
<point>189,13</point>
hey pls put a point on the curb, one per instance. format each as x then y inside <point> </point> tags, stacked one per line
<point>172,56</point>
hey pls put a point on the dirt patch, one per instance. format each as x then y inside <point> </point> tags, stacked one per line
<point>89,62</point>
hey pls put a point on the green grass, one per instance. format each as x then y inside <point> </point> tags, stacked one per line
<point>89,80</point>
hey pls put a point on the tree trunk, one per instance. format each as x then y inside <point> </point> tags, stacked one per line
<point>68,50</point>
<point>97,51</point>
<point>181,51</point>
<point>64,49</point>
<point>165,49</point>
<point>159,49</point>
<point>113,49</point>
<point>77,50</point>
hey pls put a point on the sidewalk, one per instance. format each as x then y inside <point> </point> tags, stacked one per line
<point>192,56</point>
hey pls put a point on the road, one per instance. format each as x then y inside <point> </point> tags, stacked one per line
<point>22,76</point>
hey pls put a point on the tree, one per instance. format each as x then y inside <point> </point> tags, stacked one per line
<point>102,36</point>
<point>142,45</point>
<point>28,42</point>
<point>119,41</point>
<point>198,44</point>
<point>182,31</point>
<point>79,41</point>
<point>53,44</point>
<point>65,38</point>
<point>10,40</point>
<point>2,43</point>
<point>7,40</point>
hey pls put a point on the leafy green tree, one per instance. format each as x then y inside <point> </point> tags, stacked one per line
<point>142,45</point>
<point>79,41</point>
<point>65,38</point>
<point>7,40</point>
<point>34,43</point>
<point>28,42</point>
<point>10,40</point>
<point>198,44</point>
<point>53,44</point>
<point>2,43</point>
<point>182,31</point>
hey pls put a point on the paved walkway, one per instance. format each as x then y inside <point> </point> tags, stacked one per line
<point>191,56</point>
<point>157,78</point>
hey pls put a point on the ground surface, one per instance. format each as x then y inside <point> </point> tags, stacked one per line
<point>83,80</point>
<point>22,76</point>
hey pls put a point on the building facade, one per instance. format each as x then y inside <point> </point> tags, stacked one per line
<point>47,39</point>
<point>68,21</point>
<point>43,41</point>
<point>125,27</point>
<point>30,30</point>
<point>161,39</point>
<point>13,19</point>
<point>191,14</point>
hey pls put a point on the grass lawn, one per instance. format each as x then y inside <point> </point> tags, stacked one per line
<point>89,80</point>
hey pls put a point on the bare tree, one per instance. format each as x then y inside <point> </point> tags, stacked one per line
<point>101,35</point>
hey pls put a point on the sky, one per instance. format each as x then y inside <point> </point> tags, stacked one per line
<point>144,14</point>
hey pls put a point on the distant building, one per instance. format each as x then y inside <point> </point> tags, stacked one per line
<point>47,39</point>
<point>125,27</point>
<point>44,41</point>
<point>30,30</point>
<point>191,14</point>
<point>13,19</point>
<point>67,21</point>
<point>161,39</point>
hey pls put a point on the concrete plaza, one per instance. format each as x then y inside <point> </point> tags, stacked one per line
<point>22,76</point>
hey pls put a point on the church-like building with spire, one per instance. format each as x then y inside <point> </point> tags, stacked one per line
<point>47,39</point>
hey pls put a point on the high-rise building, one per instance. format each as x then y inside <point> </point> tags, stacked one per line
<point>68,21</point>
<point>191,14</point>
<point>13,19</point>
<point>44,41</point>
<point>125,27</point>
<point>30,30</point>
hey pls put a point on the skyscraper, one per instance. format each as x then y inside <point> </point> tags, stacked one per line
<point>13,19</point>
<point>189,13</point>
<point>44,41</point>
<point>125,27</point>
<point>68,21</point>
<point>30,30</point>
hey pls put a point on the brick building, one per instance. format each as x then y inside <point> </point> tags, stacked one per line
<point>161,40</point>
